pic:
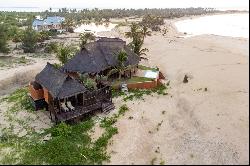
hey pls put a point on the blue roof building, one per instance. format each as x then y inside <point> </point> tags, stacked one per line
<point>48,23</point>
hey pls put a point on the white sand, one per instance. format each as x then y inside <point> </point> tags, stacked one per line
<point>198,127</point>
<point>12,78</point>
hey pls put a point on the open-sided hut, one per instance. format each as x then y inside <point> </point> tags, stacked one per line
<point>100,57</point>
<point>66,97</point>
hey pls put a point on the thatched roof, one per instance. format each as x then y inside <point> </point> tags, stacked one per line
<point>59,84</point>
<point>100,55</point>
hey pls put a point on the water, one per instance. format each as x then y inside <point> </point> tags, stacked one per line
<point>234,25</point>
<point>92,27</point>
<point>32,9</point>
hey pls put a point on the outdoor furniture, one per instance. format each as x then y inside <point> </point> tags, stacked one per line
<point>124,87</point>
<point>70,106</point>
<point>64,107</point>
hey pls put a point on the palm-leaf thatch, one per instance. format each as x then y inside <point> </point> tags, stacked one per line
<point>100,55</point>
<point>59,84</point>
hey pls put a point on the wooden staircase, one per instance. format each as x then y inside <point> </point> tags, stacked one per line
<point>107,107</point>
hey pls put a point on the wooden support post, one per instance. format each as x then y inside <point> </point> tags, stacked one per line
<point>76,100</point>
<point>50,114</point>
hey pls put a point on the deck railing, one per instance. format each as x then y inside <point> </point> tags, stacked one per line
<point>92,101</point>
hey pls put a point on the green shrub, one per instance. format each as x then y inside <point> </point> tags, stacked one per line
<point>90,83</point>
<point>123,109</point>
<point>61,130</point>
<point>29,40</point>
<point>4,48</point>
<point>21,100</point>
<point>23,60</point>
<point>107,122</point>
<point>51,47</point>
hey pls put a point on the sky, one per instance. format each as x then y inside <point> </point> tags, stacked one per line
<point>231,4</point>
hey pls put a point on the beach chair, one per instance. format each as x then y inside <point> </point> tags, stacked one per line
<point>70,106</point>
<point>64,107</point>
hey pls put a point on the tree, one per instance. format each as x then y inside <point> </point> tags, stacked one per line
<point>68,25</point>
<point>29,40</point>
<point>120,68</point>
<point>86,38</point>
<point>137,33</point>
<point>4,48</point>
<point>65,53</point>
<point>145,32</point>
<point>18,36</point>
<point>42,36</point>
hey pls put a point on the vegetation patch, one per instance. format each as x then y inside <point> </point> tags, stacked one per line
<point>147,68</point>
<point>8,61</point>
<point>139,93</point>
<point>133,79</point>
<point>67,144</point>
<point>20,100</point>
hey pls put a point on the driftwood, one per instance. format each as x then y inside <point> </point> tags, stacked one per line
<point>185,80</point>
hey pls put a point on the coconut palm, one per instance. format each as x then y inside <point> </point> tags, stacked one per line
<point>134,31</point>
<point>85,38</point>
<point>137,34</point>
<point>65,53</point>
<point>145,32</point>
<point>120,68</point>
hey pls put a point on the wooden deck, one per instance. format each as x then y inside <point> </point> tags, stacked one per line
<point>80,110</point>
<point>100,99</point>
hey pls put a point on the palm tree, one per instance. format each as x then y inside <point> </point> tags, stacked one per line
<point>145,32</point>
<point>137,34</point>
<point>120,68</point>
<point>65,53</point>
<point>134,31</point>
<point>85,38</point>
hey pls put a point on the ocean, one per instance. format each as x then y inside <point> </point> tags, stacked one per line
<point>234,25</point>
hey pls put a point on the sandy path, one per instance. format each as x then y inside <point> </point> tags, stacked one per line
<point>199,127</point>
<point>12,78</point>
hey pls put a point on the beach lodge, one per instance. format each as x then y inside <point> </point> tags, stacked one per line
<point>63,94</point>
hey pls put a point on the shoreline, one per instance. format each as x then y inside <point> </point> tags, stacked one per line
<point>200,16</point>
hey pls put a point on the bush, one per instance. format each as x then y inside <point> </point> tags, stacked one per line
<point>123,109</point>
<point>71,30</point>
<point>42,36</point>
<point>4,48</point>
<point>29,41</point>
<point>61,130</point>
<point>65,53</point>
<point>152,22</point>
<point>90,83</point>
<point>51,47</point>
<point>21,99</point>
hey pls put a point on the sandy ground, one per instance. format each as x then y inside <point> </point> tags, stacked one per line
<point>199,127</point>
<point>12,78</point>
<point>190,125</point>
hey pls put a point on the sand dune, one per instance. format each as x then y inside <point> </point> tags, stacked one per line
<point>199,127</point>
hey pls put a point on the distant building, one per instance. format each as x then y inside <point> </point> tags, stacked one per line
<point>48,23</point>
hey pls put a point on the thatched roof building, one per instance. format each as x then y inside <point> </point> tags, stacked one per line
<point>59,84</point>
<point>99,56</point>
